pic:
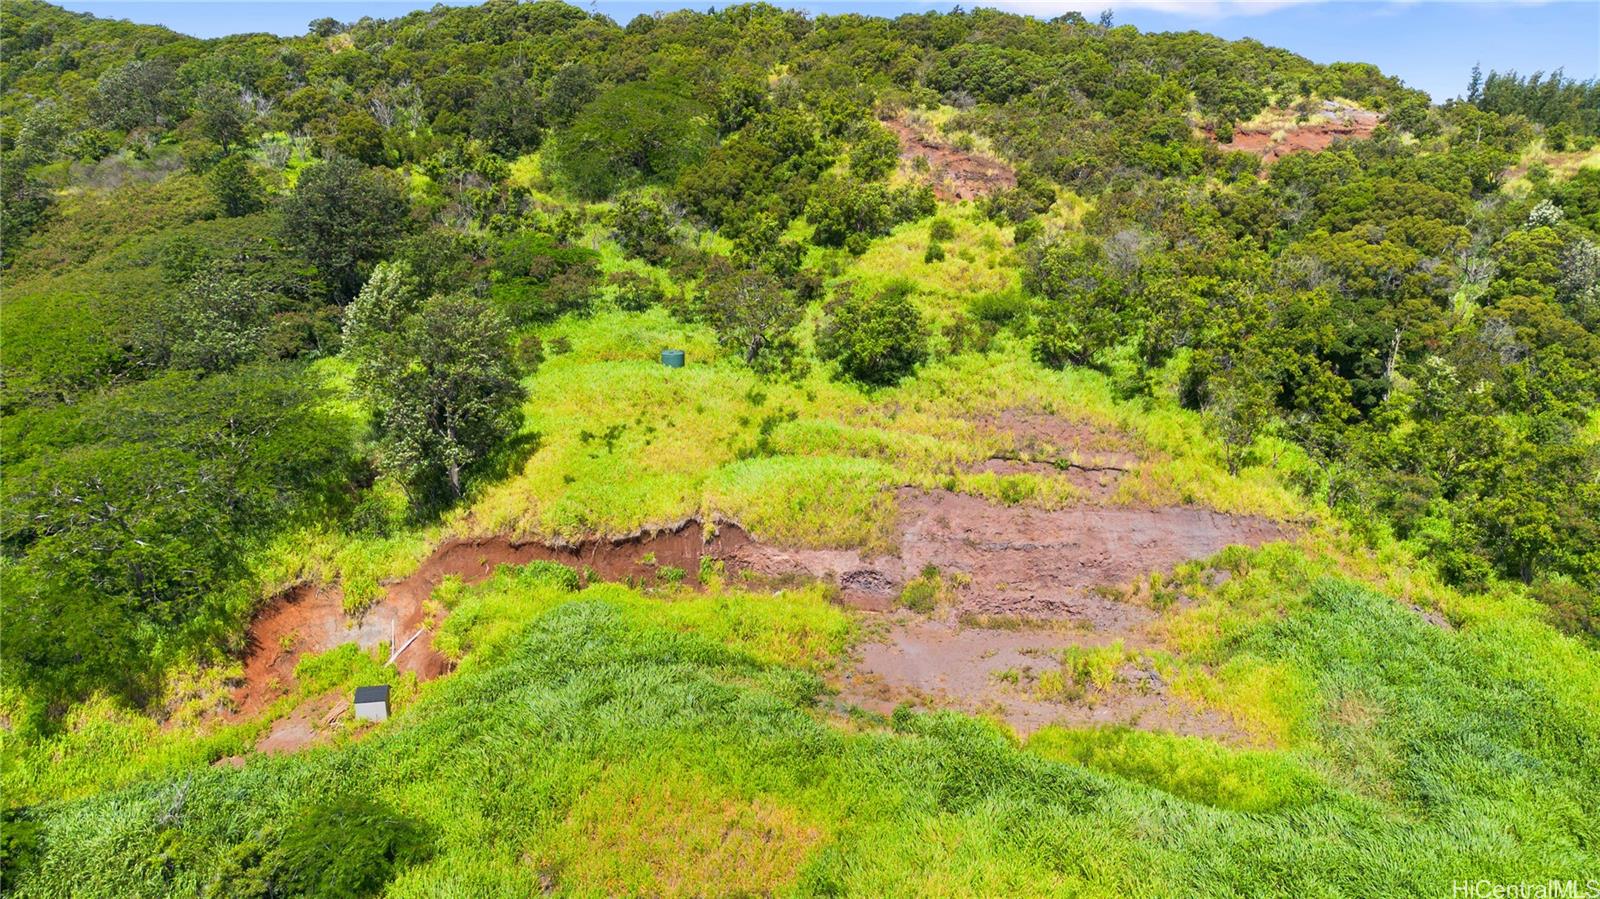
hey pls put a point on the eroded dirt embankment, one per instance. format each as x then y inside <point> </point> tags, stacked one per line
<point>311,618</point>
<point>1338,123</point>
<point>953,173</point>
<point>1058,576</point>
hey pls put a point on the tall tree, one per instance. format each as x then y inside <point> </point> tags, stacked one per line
<point>445,393</point>
<point>341,217</point>
<point>749,309</point>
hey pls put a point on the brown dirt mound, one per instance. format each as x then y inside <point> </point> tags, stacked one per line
<point>311,618</point>
<point>994,672</point>
<point>954,174</point>
<point>1344,122</point>
<point>1016,561</point>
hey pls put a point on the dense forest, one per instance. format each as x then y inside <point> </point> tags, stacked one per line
<point>263,294</point>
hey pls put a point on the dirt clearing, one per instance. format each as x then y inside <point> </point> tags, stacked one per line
<point>1002,673</point>
<point>954,174</point>
<point>1334,122</point>
<point>1015,560</point>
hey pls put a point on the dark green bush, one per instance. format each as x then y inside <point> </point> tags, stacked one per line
<point>343,848</point>
<point>876,339</point>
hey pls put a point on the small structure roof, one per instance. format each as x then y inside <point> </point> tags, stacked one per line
<point>379,693</point>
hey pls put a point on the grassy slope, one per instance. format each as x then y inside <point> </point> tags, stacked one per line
<point>609,742</point>
<point>602,742</point>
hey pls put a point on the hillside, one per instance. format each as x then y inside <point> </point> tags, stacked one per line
<point>1103,462</point>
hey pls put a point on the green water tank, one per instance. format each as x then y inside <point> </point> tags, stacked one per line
<point>672,358</point>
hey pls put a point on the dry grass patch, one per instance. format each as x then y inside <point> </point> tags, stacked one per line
<point>648,832</point>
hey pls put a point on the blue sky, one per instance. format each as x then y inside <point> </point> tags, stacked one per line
<point>1432,45</point>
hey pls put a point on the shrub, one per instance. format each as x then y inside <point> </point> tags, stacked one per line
<point>934,253</point>
<point>941,229</point>
<point>342,848</point>
<point>643,227</point>
<point>529,354</point>
<point>635,133</point>
<point>342,217</point>
<point>634,292</point>
<point>235,186</point>
<point>19,846</point>
<point>874,154</point>
<point>923,593</point>
<point>876,339</point>
<point>999,309</point>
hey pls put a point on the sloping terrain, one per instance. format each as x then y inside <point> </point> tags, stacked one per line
<point>1046,503</point>
<point>955,174</point>
<point>1333,121</point>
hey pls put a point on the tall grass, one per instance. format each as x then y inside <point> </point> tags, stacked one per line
<point>617,743</point>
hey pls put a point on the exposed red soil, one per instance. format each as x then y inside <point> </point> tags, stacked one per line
<point>954,174</point>
<point>1067,568</point>
<point>1043,436</point>
<point>1095,483</point>
<point>1344,122</point>
<point>1091,458</point>
<point>1015,560</point>
<point>311,618</point>
<point>995,672</point>
<point>312,722</point>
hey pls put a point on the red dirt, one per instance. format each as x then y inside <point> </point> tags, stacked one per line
<point>954,174</point>
<point>1091,458</point>
<point>1044,437</point>
<point>311,723</point>
<point>940,664</point>
<point>1065,568</point>
<point>1017,561</point>
<point>1344,123</point>
<point>310,618</point>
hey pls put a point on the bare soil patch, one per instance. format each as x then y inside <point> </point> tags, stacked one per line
<point>1068,568</point>
<point>954,174</point>
<point>1097,483</point>
<point>311,618</point>
<point>1045,436</point>
<point>1015,560</point>
<point>1272,144</point>
<point>312,722</point>
<point>939,664</point>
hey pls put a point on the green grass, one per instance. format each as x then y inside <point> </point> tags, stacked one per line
<point>1189,767</point>
<point>609,742</point>
<point>710,439</point>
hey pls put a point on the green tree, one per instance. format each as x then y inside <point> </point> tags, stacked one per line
<point>359,136</point>
<point>874,153</point>
<point>570,90</point>
<point>24,200</point>
<point>644,227</point>
<point>1081,308</point>
<point>342,217</point>
<point>444,394</point>
<point>749,309</point>
<point>220,115</point>
<point>876,338</point>
<point>1240,405</point>
<point>235,186</point>
<point>632,134</point>
<point>128,515</point>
